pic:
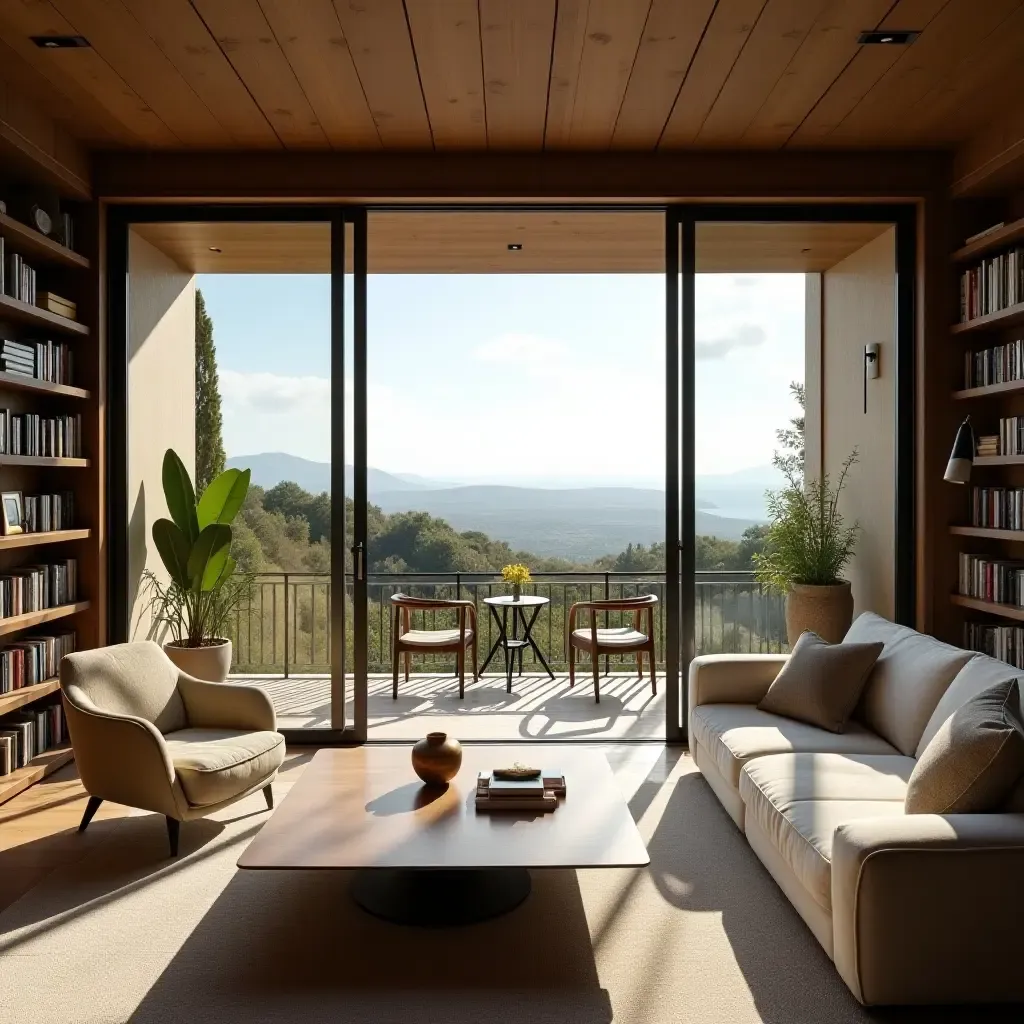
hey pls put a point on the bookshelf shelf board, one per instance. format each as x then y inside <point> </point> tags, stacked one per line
<point>15,309</point>
<point>42,460</point>
<point>980,392</point>
<point>998,239</point>
<point>33,540</point>
<point>1007,611</point>
<point>987,531</point>
<point>1009,317</point>
<point>19,698</point>
<point>16,623</point>
<point>38,768</point>
<point>34,245</point>
<point>999,460</point>
<point>16,382</point>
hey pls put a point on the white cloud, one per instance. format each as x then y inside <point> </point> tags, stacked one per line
<point>744,336</point>
<point>520,348</point>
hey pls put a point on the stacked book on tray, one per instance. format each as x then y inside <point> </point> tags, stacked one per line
<point>34,588</point>
<point>504,794</point>
<point>986,445</point>
<point>29,733</point>
<point>40,360</point>
<point>32,660</point>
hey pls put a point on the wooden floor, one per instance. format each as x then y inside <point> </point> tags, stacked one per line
<point>537,708</point>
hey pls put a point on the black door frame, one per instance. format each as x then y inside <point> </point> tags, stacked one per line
<point>680,510</point>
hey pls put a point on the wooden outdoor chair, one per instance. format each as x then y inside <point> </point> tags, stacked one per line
<point>613,640</point>
<point>406,640</point>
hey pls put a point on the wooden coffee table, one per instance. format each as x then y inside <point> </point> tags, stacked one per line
<point>426,856</point>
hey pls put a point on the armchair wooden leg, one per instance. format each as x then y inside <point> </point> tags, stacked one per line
<point>408,662</point>
<point>654,678</point>
<point>394,685</point>
<point>476,672</point>
<point>90,809</point>
<point>595,661</point>
<point>460,668</point>
<point>639,664</point>
<point>268,793</point>
<point>572,666</point>
<point>173,828</point>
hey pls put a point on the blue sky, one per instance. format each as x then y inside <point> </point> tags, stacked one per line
<point>533,379</point>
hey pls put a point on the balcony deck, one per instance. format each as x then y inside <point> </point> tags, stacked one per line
<point>537,708</point>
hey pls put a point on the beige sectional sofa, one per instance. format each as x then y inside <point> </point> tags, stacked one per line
<point>912,908</point>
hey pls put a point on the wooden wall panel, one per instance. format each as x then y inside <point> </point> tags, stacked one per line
<point>447,36</point>
<point>378,38</point>
<point>176,28</point>
<point>670,40</point>
<point>516,37</point>
<point>242,32</point>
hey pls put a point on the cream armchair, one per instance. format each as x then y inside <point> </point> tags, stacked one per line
<point>147,735</point>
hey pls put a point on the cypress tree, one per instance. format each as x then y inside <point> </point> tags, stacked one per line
<point>209,442</point>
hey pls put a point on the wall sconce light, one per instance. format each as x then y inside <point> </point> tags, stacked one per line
<point>961,458</point>
<point>871,369</point>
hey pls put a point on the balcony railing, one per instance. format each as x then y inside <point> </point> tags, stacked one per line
<point>285,629</point>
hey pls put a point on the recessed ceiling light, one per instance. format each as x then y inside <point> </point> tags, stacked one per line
<point>514,246</point>
<point>60,42</point>
<point>214,248</point>
<point>891,38</point>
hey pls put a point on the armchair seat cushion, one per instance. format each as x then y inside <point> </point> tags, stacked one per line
<point>213,765</point>
<point>434,637</point>
<point>621,636</point>
<point>734,733</point>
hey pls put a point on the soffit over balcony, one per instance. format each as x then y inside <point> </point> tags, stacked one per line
<point>465,242</point>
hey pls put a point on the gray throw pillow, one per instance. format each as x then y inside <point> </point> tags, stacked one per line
<point>975,760</point>
<point>821,683</point>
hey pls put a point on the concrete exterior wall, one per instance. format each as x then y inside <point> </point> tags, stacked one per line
<point>857,307</point>
<point>161,402</point>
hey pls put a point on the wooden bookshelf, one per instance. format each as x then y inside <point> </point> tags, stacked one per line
<point>36,247</point>
<point>26,695</point>
<point>995,241</point>
<point>16,382</point>
<point>1009,317</point>
<point>35,540</point>
<point>1006,611</point>
<point>1007,387</point>
<point>23,312</point>
<point>988,532</point>
<point>43,460</point>
<point>16,623</point>
<point>999,460</point>
<point>38,768</point>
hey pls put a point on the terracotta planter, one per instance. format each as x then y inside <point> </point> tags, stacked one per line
<point>210,662</point>
<point>827,611</point>
<point>437,758</point>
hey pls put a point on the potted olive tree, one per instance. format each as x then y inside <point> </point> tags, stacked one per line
<point>807,548</point>
<point>202,589</point>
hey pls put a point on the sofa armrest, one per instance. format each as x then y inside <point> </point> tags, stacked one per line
<point>926,909</point>
<point>121,758</point>
<point>732,678</point>
<point>226,705</point>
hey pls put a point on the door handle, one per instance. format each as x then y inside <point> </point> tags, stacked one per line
<point>359,557</point>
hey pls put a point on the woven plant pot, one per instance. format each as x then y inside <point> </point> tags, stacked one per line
<point>827,611</point>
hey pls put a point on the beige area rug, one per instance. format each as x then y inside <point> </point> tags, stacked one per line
<point>703,935</point>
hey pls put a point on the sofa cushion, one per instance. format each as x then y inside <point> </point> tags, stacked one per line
<point>908,680</point>
<point>975,760</point>
<point>734,733</point>
<point>822,682</point>
<point>213,765</point>
<point>799,800</point>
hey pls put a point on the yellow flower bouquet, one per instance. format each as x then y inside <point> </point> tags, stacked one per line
<point>517,575</point>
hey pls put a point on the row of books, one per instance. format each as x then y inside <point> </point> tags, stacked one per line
<point>991,579</point>
<point>31,434</point>
<point>41,360</point>
<point>1003,642</point>
<point>1009,440</point>
<point>17,278</point>
<point>29,733</point>
<point>998,508</point>
<point>32,660</point>
<point>45,512</point>
<point>502,794</point>
<point>992,285</point>
<point>33,588</point>
<point>995,365</point>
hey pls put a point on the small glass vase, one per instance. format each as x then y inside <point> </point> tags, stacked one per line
<point>517,591</point>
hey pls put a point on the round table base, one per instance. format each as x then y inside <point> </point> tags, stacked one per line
<point>440,898</point>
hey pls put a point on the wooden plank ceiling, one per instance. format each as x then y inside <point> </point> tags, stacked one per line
<point>468,242</point>
<point>516,74</point>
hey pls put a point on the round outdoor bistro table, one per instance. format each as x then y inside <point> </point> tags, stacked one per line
<point>511,644</point>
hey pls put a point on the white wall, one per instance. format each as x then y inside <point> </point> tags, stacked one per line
<point>161,401</point>
<point>857,307</point>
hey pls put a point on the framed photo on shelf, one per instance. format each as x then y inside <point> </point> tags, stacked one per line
<point>12,518</point>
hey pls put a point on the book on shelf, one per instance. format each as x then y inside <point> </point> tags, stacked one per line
<point>44,360</point>
<point>32,660</point>
<point>57,304</point>
<point>1006,643</point>
<point>999,364</point>
<point>67,230</point>
<point>987,444</point>
<point>48,436</point>
<point>45,513</point>
<point>27,734</point>
<point>35,588</point>
<point>978,236</point>
<point>19,279</point>
<point>998,508</point>
<point>992,285</point>
<point>997,580</point>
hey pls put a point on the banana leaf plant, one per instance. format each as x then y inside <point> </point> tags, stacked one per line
<point>195,548</point>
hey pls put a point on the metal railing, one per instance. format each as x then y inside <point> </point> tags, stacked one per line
<point>285,628</point>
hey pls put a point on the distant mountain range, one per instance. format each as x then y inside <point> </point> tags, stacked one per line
<point>578,523</point>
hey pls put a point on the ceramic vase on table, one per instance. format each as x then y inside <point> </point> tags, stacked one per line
<point>827,611</point>
<point>437,758</point>
<point>517,591</point>
<point>211,662</point>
